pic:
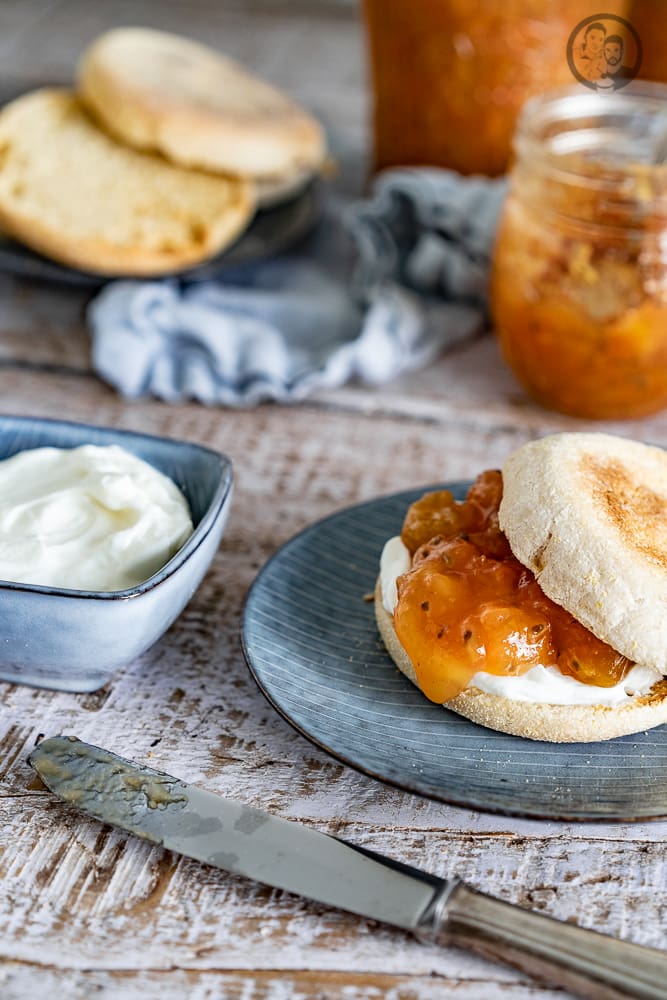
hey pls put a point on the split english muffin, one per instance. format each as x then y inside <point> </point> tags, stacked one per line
<point>536,607</point>
<point>72,193</point>
<point>161,92</point>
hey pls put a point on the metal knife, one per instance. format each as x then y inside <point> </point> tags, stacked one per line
<point>287,855</point>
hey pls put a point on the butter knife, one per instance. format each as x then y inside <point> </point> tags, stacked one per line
<point>287,855</point>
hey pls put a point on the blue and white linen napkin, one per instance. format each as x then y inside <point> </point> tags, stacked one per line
<point>381,287</point>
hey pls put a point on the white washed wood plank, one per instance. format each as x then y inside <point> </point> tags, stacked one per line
<point>118,903</point>
<point>471,388</point>
<point>42,324</point>
<point>311,452</point>
<point>25,983</point>
<point>129,903</point>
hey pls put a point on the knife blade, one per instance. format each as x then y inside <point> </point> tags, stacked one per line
<point>287,855</point>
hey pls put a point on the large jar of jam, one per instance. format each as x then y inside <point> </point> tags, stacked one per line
<point>450,76</point>
<point>579,282</point>
<point>649,19</point>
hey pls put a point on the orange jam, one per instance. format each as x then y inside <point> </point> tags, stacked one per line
<point>450,76</point>
<point>583,325</point>
<point>579,282</point>
<point>468,604</point>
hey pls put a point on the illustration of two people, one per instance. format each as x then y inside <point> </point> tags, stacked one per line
<point>599,58</point>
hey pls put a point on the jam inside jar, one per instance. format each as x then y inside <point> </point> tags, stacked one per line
<point>450,77</point>
<point>579,280</point>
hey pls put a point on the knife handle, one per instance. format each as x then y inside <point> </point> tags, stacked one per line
<point>588,964</point>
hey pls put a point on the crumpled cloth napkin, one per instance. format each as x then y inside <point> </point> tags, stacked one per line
<point>382,286</point>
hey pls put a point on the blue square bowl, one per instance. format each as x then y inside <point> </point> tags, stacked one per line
<point>73,640</point>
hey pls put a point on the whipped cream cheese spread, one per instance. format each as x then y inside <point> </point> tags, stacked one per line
<point>89,518</point>
<point>541,685</point>
<point>394,561</point>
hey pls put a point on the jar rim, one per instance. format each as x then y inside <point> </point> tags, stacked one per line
<point>586,133</point>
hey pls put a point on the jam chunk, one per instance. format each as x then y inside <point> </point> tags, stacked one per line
<point>468,605</point>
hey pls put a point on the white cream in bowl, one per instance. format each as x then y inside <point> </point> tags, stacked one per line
<point>88,518</point>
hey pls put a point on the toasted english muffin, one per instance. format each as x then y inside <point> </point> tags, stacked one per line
<point>587,513</point>
<point>159,91</point>
<point>537,721</point>
<point>71,192</point>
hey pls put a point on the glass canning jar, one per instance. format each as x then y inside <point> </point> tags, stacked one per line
<point>579,279</point>
<point>450,76</point>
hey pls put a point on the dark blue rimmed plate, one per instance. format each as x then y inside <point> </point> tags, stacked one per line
<point>313,647</point>
<point>273,231</point>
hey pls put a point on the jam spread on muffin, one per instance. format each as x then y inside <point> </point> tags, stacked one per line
<point>468,605</point>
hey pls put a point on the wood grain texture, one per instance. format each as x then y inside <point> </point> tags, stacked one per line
<point>88,912</point>
<point>189,705</point>
<point>237,985</point>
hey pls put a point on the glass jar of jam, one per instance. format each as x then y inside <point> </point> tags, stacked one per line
<point>648,19</point>
<point>450,76</point>
<point>579,279</point>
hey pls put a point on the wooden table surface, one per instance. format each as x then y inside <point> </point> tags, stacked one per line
<point>85,911</point>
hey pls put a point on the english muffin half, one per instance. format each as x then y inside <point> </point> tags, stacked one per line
<point>587,513</point>
<point>158,91</point>
<point>72,193</point>
<point>462,606</point>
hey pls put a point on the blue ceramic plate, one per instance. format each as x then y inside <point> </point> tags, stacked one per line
<point>312,645</point>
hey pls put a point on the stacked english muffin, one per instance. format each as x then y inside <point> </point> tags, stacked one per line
<point>155,163</point>
<point>586,514</point>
